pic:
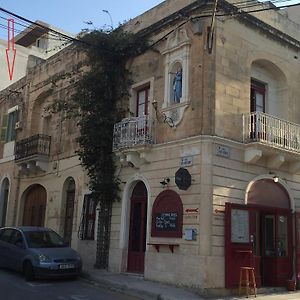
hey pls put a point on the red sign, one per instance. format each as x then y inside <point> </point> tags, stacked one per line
<point>192,210</point>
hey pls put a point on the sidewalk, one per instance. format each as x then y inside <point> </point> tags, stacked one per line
<point>139,287</point>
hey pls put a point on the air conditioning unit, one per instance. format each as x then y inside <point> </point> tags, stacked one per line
<point>18,125</point>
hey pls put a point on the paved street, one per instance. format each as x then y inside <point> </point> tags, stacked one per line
<point>14,287</point>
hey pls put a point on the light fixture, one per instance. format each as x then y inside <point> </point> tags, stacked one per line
<point>274,177</point>
<point>165,181</point>
<point>162,117</point>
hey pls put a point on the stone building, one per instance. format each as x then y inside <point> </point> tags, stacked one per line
<point>34,44</point>
<point>208,155</point>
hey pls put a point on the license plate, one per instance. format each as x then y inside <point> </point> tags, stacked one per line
<point>66,266</point>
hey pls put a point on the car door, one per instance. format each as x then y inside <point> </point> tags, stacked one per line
<point>5,236</point>
<point>16,250</point>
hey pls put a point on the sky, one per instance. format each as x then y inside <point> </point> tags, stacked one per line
<point>70,15</point>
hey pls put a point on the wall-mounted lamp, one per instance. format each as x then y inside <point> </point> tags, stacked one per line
<point>162,117</point>
<point>275,177</point>
<point>165,181</point>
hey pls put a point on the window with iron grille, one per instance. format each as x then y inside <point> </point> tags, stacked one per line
<point>88,219</point>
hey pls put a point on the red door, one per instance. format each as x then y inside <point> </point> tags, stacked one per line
<point>259,237</point>
<point>137,229</point>
<point>297,225</point>
<point>240,243</point>
<point>277,256</point>
<point>35,207</point>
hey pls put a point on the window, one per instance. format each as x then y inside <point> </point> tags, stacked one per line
<point>258,92</point>
<point>282,236</point>
<point>8,129</point>
<point>6,234</point>
<point>142,102</point>
<point>87,225</point>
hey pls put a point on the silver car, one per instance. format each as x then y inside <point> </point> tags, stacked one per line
<point>37,252</point>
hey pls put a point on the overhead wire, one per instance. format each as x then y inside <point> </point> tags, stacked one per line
<point>237,12</point>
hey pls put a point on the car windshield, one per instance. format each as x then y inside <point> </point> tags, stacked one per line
<point>44,239</point>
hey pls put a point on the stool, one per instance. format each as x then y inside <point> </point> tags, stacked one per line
<point>248,281</point>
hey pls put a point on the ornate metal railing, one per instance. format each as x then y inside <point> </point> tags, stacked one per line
<point>132,132</point>
<point>263,128</point>
<point>38,144</point>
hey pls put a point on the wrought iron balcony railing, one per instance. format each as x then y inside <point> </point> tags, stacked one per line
<point>131,132</point>
<point>38,144</point>
<point>263,128</point>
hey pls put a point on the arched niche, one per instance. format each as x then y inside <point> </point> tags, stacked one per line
<point>266,192</point>
<point>276,89</point>
<point>167,213</point>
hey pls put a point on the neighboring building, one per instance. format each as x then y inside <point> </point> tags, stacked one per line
<point>33,45</point>
<point>208,156</point>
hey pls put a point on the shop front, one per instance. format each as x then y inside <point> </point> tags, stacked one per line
<point>260,234</point>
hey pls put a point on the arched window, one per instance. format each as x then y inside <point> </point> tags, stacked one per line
<point>3,201</point>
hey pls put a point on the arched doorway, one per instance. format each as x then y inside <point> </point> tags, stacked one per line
<point>69,209</point>
<point>35,206</point>
<point>137,229</point>
<point>3,201</point>
<point>260,234</point>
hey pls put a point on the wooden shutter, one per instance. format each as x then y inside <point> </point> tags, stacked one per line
<point>3,128</point>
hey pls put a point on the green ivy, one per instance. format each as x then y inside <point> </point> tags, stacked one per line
<point>97,102</point>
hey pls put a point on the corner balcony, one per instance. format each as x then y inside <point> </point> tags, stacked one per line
<point>276,139</point>
<point>32,154</point>
<point>132,137</point>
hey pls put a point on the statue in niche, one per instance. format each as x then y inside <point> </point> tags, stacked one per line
<point>177,86</point>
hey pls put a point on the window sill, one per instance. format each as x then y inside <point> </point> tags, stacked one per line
<point>170,245</point>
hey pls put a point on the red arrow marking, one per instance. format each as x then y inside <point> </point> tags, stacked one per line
<point>11,51</point>
<point>190,210</point>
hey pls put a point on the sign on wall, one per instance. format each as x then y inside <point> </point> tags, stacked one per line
<point>239,226</point>
<point>167,212</point>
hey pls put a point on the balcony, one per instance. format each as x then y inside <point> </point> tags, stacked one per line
<point>273,137</point>
<point>131,137</point>
<point>132,132</point>
<point>33,153</point>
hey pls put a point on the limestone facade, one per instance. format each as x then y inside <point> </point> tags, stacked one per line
<point>209,133</point>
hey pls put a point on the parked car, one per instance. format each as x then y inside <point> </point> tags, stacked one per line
<point>37,252</point>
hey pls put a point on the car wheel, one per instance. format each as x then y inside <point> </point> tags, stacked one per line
<point>28,271</point>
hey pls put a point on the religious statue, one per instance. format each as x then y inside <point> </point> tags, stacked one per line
<point>177,86</point>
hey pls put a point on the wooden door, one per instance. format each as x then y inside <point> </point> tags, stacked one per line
<point>297,229</point>
<point>137,230</point>
<point>69,216</point>
<point>35,207</point>
<point>241,243</point>
<point>277,253</point>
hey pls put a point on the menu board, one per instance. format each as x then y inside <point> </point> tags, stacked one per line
<point>166,221</point>
<point>239,226</point>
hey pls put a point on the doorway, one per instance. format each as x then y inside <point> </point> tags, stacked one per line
<point>260,235</point>
<point>137,229</point>
<point>35,207</point>
<point>69,210</point>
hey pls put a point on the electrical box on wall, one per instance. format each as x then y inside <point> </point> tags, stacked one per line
<point>190,234</point>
